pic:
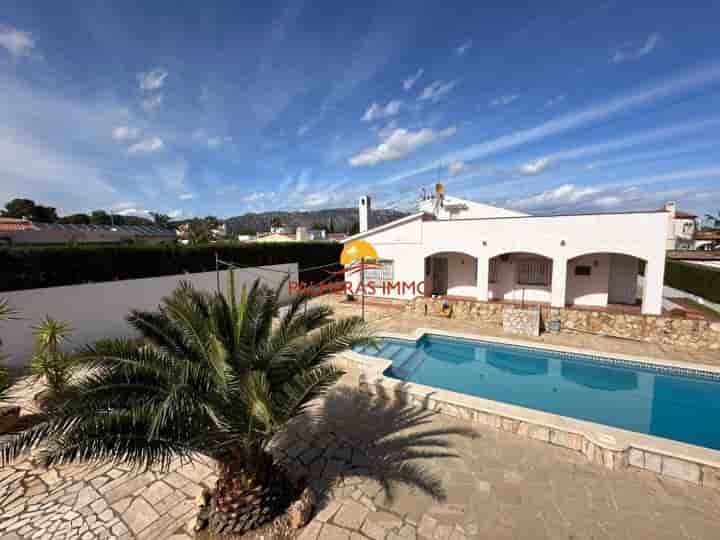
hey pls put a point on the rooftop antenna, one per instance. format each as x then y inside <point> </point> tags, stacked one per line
<point>440,192</point>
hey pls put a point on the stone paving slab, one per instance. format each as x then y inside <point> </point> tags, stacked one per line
<point>363,458</point>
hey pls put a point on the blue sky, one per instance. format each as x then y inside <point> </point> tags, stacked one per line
<point>225,107</point>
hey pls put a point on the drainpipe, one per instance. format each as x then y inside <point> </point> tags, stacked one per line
<point>362,281</point>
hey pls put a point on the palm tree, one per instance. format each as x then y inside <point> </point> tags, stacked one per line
<point>50,362</point>
<point>213,377</point>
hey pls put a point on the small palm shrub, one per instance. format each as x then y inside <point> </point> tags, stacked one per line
<point>214,376</point>
<point>50,362</point>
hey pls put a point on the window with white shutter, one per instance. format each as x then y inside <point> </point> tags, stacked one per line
<point>534,272</point>
<point>385,273</point>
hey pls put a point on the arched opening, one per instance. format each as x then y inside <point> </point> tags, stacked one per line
<point>520,277</point>
<point>602,279</point>
<point>451,273</point>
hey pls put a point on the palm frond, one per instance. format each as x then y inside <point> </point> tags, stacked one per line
<point>212,375</point>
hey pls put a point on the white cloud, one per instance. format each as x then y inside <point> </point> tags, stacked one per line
<point>412,79</point>
<point>376,112</point>
<point>398,145</point>
<point>555,100</point>
<point>664,153</point>
<point>437,90</point>
<point>151,103</point>
<point>630,52</point>
<point>17,42</point>
<point>186,196</point>
<point>125,133</point>
<point>153,79</point>
<point>650,45</point>
<point>465,47</point>
<point>152,144</point>
<point>623,143</point>
<point>504,100</point>
<point>566,122</point>
<point>214,142</point>
<point>560,196</point>
<point>125,211</point>
<point>456,168</point>
<point>253,197</point>
<point>535,167</point>
<point>386,131</point>
<point>316,199</point>
<point>608,200</point>
<point>175,214</point>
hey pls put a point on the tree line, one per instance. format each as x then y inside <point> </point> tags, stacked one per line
<point>28,209</point>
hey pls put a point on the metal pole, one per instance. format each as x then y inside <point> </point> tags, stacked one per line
<point>362,282</point>
<point>217,272</point>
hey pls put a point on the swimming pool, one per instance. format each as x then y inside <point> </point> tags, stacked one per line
<point>657,401</point>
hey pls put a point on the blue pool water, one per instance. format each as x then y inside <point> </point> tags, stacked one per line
<point>646,400</point>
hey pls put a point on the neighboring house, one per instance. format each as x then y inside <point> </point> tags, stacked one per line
<point>276,237</point>
<point>707,240</point>
<point>300,234</point>
<point>336,237</point>
<point>246,237</point>
<point>461,248</point>
<point>219,232</point>
<point>682,228</point>
<point>28,233</point>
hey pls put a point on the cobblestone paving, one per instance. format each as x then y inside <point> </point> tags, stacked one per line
<point>358,454</point>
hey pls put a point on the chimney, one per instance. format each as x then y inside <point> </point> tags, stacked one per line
<point>365,213</point>
<point>670,207</point>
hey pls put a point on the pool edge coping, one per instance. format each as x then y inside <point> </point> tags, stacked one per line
<point>612,447</point>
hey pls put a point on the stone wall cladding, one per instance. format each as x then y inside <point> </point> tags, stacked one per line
<point>689,471</point>
<point>678,333</point>
<point>525,322</point>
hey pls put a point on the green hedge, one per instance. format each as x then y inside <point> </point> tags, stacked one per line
<point>704,282</point>
<point>36,267</point>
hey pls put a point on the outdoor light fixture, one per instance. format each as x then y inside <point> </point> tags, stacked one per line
<point>562,242</point>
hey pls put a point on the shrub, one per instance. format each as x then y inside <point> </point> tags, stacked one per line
<point>704,282</point>
<point>37,267</point>
<point>50,362</point>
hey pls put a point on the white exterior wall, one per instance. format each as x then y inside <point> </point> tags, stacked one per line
<point>506,287</point>
<point>462,274</point>
<point>589,290</point>
<point>560,238</point>
<point>98,310</point>
<point>450,209</point>
<point>681,233</point>
<point>624,272</point>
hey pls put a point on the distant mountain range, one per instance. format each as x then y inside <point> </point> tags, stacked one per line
<point>341,219</point>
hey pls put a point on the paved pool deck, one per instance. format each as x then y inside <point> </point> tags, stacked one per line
<point>384,471</point>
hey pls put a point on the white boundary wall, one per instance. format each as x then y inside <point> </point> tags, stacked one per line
<point>98,310</point>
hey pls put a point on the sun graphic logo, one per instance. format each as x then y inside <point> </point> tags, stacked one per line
<point>358,256</point>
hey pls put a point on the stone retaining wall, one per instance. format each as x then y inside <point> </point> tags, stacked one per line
<point>524,322</point>
<point>679,333</point>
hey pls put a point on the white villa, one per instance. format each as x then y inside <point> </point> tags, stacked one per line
<point>461,248</point>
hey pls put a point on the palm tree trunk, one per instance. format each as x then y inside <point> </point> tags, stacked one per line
<point>250,491</point>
